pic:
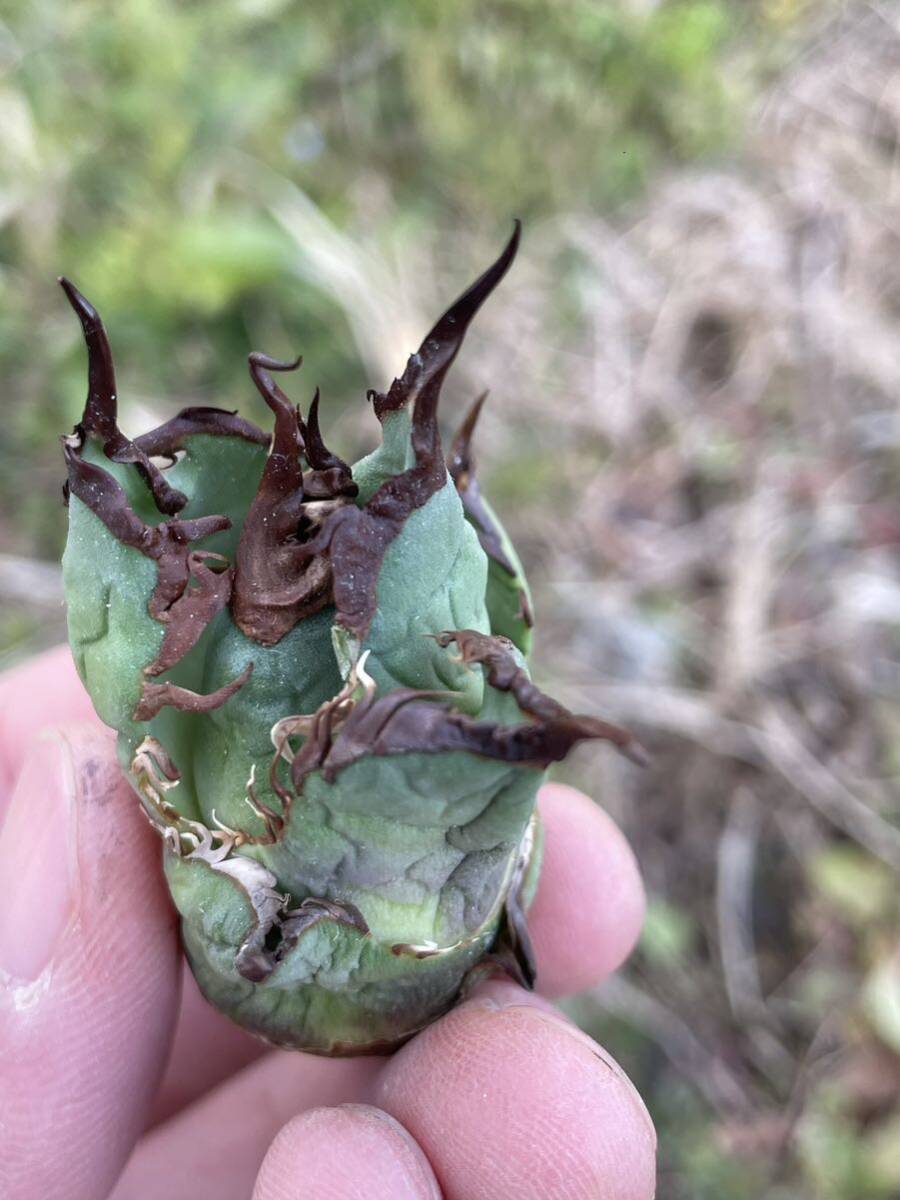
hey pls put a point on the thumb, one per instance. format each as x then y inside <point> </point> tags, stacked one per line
<point>88,970</point>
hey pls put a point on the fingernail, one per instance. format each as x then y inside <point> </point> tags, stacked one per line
<point>406,1150</point>
<point>37,860</point>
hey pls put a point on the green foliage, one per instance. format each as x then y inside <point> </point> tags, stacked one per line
<point>129,134</point>
<point>861,891</point>
<point>667,935</point>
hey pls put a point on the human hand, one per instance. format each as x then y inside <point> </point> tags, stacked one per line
<point>502,1097</point>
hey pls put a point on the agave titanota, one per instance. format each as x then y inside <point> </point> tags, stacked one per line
<point>318,677</point>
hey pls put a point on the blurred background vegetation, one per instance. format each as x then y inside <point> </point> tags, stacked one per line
<point>693,434</point>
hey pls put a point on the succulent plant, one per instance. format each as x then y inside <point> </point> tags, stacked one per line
<point>318,678</point>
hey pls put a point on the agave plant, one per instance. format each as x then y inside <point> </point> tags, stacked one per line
<point>318,677</point>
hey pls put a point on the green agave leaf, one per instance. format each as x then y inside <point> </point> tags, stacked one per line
<point>433,577</point>
<point>421,843</point>
<point>336,991</point>
<point>108,586</point>
<point>507,597</point>
<point>393,455</point>
<point>219,475</point>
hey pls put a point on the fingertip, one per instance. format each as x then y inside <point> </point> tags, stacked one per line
<point>512,1101</point>
<point>590,902</point>
<point>345,1152</point>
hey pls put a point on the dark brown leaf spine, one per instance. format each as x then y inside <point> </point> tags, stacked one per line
<point>101,406</point>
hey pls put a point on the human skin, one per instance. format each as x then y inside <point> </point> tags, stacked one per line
<point>503,1097</point>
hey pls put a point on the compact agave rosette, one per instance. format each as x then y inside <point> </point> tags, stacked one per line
<point>317,673</point>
